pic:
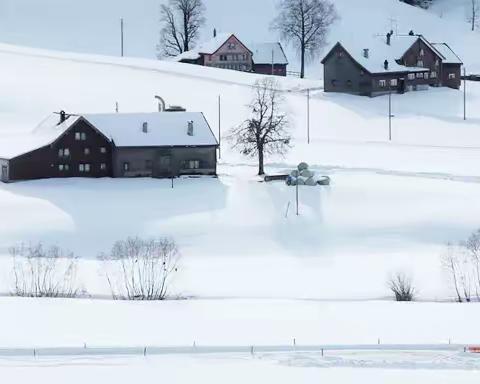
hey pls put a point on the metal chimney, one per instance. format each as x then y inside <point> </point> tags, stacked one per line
<point>366,53</point>
<point>190,128</point>
<point>145,127</point>
<point>385,64</point>
<point>389,38</point>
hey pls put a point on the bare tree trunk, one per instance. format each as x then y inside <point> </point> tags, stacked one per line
<point>302,59</point>
<point>186,40</point>
<point>261,170</point>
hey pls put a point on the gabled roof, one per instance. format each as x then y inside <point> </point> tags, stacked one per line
<point>377,54</point>
<point>379,51</point>
<point>262,53</point>
<point>449,56</point>
<point>167,129</point>
<point>207,48</point>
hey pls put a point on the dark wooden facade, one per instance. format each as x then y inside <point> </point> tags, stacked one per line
<point>83,151</point>
<point>344,74</point>
<point>266,69</point>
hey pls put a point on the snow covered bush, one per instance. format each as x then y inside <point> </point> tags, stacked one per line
<point>40,271</point>
<point>138,269</point>
<point>401,286</point>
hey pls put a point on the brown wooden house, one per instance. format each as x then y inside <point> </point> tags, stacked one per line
<point>226,51</point>
<point>167,144</point>
<point>395,63</point>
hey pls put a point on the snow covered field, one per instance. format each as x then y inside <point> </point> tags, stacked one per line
<point>220,369</point>
<point>254,273</point>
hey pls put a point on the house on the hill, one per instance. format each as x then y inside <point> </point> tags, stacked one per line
<point>166,144</point>
<point>269,59</point>
<point>226,51</point>
<point>396,63</point>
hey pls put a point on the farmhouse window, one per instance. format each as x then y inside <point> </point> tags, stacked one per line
<point>223,57</point>
<point>126,166</point>
<point>60,167</point>
<point>433,74</point>
<point>103,150</point>
<point>393,82</point>
<point>419,75</point>
<point>103,166</point>
<point>192,164</point>
<point>411,76</point>
<point>81,167</point>
<point>83,136</point>
<point>77,135</point>
<point>86,151</point>
<point>382,83</point>
<point>451,76</point>
<point>420,63</point>
<point>87,167</point>
<point>422,52</point>
<point>232,46</point>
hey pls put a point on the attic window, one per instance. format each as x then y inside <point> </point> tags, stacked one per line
<point>340,54</point>
<point>422,52</point>
<point>232,45</point>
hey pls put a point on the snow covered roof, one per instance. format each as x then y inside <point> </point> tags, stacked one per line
<point>167,129</point>
<point>262,53</point>
<point>209,47</point>
<point>450,57</point>
<point>379,51</point>
<point>163,129</point>
<point>44,134</point>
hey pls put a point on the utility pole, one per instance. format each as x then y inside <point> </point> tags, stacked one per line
<point>296,196</point>
<point>273,62</point>
<point>219,126</point>
<point>308,116</point>
<point>390,114</point>
<point>464,93</point>
<point>121,37</point>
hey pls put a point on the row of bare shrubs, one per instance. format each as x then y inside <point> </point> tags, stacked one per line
<point>135,268</point>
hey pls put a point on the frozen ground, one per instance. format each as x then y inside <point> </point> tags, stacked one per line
<point>255,273</point>
<point>220,369</point>
<point>33,323</point>
<point>240,238</point>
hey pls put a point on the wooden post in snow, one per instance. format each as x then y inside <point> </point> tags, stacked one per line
<point>121,37</point>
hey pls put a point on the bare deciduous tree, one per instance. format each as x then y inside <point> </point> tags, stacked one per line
<point>139,269</point>
<point>305,24</point>
<point>181,21</point>
<point>265,132</point>
<point>44,272</point>
<point>457,264</point>
<point>401,286</point>
<point>472,245</point>
<point>474,13</point>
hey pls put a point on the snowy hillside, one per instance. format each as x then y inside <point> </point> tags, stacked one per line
<point>61,24</point>
<point>252,272</point>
